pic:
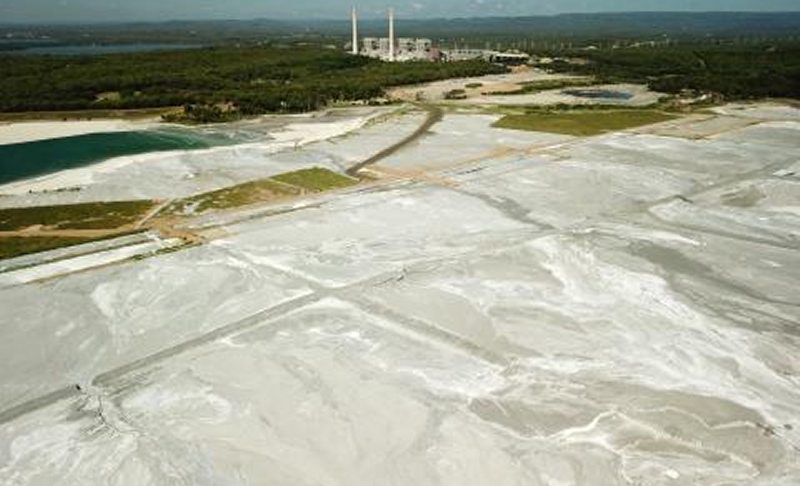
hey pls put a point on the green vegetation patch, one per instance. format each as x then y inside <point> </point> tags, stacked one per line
<point>582,123</point>
<point>284,185</point>
<point>14,246</point>
<point>232,197</point>
<point>101,215</point>
<point>316,179</point>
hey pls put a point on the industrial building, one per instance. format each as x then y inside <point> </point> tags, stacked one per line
<point>391,48</point>
<point>394,49</point>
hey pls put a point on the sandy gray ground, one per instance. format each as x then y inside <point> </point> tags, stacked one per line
<point>540,311</point>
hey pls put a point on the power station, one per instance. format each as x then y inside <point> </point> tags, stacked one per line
<point>402,49</point>
<point>392,48</point>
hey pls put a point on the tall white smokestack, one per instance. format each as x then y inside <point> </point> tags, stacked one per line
<point>355,31</point>
<point>391,34</point>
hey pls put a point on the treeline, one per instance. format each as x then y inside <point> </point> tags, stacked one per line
<point>733,71</point>
<point>247,80</point>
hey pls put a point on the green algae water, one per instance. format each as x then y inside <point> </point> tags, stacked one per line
<point>32,159</point>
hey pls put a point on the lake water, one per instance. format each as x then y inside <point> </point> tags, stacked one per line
<point>96,50</point>
<point>605,94</point>
<point>31,159</point>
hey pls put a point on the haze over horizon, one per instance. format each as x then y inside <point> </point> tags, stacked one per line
<point>42,11</point>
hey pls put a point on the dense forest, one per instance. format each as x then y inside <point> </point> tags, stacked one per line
<point>216,84</point>
<point>246,80</point>
<point>733,71</point>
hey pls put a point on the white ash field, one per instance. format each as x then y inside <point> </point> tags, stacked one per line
<point>494,307</point>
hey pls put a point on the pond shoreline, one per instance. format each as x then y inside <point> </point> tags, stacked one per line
<point>35,131</point>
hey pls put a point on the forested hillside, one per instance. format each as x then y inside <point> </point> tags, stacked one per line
<point>734,71</point>
<point>252,80</point>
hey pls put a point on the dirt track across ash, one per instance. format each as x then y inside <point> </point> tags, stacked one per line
<point>435,115</point>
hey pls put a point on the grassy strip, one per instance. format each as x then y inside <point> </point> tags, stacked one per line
<point>15,246</point>
<point>231,197</point>
<point>101,215</point>
<point>115,214</point>
<point>283,185</point>
<point>582,123</point>
<point>315,179</point>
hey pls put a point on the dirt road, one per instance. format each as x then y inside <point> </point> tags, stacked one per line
<point>435,115</point>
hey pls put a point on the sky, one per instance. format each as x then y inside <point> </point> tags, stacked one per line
<point>156,10</point>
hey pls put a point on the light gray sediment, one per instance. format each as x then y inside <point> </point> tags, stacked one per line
<point>613,310</point>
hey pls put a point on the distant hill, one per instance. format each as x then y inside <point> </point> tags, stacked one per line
<point>608,25</point>
<point>592,25</point>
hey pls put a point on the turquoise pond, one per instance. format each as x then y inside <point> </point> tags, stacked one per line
<point>32,159</point>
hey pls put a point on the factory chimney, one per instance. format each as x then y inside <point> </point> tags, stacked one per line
<point>391,34</point>
<point>355,31</point>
